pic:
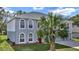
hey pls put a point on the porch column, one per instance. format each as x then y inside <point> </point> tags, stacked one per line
<point>70,30</point>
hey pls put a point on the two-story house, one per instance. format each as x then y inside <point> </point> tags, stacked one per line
<point>22,29</point>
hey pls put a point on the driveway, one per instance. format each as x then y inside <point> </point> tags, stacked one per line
<point>68,43</point>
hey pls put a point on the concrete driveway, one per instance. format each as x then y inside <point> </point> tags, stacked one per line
<point>68,43</point>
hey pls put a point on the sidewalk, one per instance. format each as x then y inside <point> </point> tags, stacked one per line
<point>68,43</point>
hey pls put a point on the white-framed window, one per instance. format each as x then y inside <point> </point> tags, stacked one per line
<point>22,24</point>
<point>22,37</point>
<point>31,24</point>
<point>30,37</point>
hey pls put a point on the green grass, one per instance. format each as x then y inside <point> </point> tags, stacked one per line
<point>32,47</point>
<point>3,36</point>
<point>76,39</point>
<point>60,47</point>
<point>5,46</point>
<point>42,47</point>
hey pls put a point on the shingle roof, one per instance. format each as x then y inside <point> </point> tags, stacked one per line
<point>32,15</point>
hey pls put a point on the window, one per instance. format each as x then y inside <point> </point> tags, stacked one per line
<point>30,26</point>
<point>22,37</point>
<point>38,25</point>
<point>30,23</point>
<point>22,24</point>
<point>30,37</point>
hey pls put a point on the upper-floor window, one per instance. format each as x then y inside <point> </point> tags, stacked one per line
<point>38,25</point>
<point>22,23</point>
<point>31,23</point>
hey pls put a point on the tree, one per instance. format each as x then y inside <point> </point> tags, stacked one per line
<point>63,32</point>
<point>40,35</point>
<point>75,19</point>
<point>3,26</point>
<point>1,19</point>
<point>20,12</point>
<point>49,27</point>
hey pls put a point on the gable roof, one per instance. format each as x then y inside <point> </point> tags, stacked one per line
<point>32,15</point>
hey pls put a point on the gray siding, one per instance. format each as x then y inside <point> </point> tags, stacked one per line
<point>75,35</point>
<point>14,36</point>
<point>26,30</point>
<point>11,36</point>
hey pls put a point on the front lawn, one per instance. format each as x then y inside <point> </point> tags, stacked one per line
<point>4,46</point>
<point>3,38</point>
<point>60,47</point>
<point>76,39</point>
<point>42,47</point>
<point>32,47</point>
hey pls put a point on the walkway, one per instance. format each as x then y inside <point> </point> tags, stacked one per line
<point>68,43</point>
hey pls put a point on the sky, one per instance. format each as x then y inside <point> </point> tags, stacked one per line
<point>66,11</point>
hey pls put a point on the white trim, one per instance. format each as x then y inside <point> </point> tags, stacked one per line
<point>32,37</point>
<point>32,24</point>
<point>24,24</point>
<point>24,37</point>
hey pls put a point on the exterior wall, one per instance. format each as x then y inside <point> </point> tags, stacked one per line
<point>75,35</point>
<point>11,26</point>
<point>75,29</point>
<point>14,31</point>
<point>11,31</point>
<point>11,36</point>
<point>26,31</point>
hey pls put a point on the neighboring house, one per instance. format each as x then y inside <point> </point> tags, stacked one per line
<point>73,30</point>
<point>22,29</point>
<point>69,26</point>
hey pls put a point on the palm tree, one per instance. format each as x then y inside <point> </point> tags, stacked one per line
<point>63,32</point>
<point>49,27</point>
